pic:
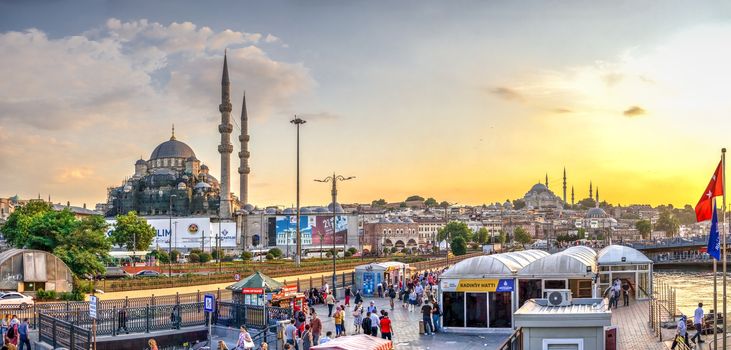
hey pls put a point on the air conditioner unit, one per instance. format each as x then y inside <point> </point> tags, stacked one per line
<point>558,297</point>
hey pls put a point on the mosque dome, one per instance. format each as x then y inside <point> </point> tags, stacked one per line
<point>539,188</point>
<point>249,208</point>
<point>140,162</point>
<point>290,211</point>
<point>172,149</point>
<point>596,213</point>
<point>338,208</point>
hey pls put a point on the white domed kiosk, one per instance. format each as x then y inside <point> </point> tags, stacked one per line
<point>627,264</point>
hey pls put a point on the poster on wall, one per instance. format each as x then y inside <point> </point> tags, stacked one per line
<point>313,229</point>
<point>287,230</point>
<point>323,230</point>
<point>189,233</point>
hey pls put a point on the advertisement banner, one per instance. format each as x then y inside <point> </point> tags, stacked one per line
<point>252,290</point>
<point>189,233</point>
<point>323,230</point>
<point>314,229</point>
<point>478,285</point>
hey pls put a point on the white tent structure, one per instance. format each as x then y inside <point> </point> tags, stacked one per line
<point>627,264</point>
<point>496,265</point>
<point>572,269</point>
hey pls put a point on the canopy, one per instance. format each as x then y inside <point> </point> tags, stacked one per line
<point>257,280</point>
<point>505,264</point>
<point>621,255</point>
<point>383,266</point>
<point>356,342</point>
<point>578,261</point>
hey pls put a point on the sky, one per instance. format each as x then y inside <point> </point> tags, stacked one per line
<point>466,101</point>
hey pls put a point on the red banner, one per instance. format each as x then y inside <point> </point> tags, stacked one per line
<point>252,291</point>
<point>287,290</point>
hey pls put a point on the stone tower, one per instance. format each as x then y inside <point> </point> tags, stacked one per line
<point>244,169</point>
<point>225,148</point>
<point>564,185</point>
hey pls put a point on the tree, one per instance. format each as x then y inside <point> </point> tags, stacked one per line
<point>503,237</point>
<point>386,251</point>
<point>175,255</point>
<point>587,203</point>
<point>644,227</point>
<point>521,236</point>
<point>454,229</point>
<point>402,205</point>
<point>204,257</point>
<point>481,236</point>
<point>458,246</point>
<point>246,256</point>
<point>86,249</point>
<point>132,232</point>
<point>668,222</point>
<point>518,204</point>
<point>431,202</point>
<point>275,252</point>
<point>414,198</point>
<point>216,253</point>
<point>581,234</point>
<point>378,203</point>
<point>444,204</point>
<point>194,257</point>
<point>394,250</point>
<point>160,255</point>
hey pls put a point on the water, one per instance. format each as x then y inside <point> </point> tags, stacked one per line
<point>693,287</point>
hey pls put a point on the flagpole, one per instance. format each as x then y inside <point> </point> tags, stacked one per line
<point>723,162</point>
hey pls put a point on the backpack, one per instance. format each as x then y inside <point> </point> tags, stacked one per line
<point>301,317</point>
<point>11,332</point>
<point>392,294</point>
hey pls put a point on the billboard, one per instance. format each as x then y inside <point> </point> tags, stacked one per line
<point>314,229</point>
<point>189,233</point>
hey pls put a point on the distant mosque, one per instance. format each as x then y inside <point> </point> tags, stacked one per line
<point>541,197</point>
<point>174,182</point>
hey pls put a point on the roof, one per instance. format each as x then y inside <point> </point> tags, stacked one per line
<point>7,254</point>
<point>581,313</point>
<point>613,255</point>
<point>382,265</point>
<point>172,149</point>
<point>76,210</point>
<point>574,261</point>
<point>505,264</point>
<point>578,306</point>
<point>596,213</point>
<point>257,280</point>
<point>355,342</point>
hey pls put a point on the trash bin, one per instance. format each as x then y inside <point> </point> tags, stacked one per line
<point>421,326</point>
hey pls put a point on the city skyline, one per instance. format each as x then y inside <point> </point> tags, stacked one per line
<point>470,104</point>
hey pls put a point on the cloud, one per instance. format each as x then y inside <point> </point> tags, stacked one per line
<point>562,110</point>
<point>70,104</point>
<point>506,93</point>
<point>634,111</point>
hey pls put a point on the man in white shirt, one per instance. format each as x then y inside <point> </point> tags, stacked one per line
<point>698,322</point>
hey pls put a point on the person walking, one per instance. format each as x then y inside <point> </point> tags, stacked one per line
<point>290,335</point>
<point>307,340</point>
<point>372,307</point>
<point>385,326</point>
<point>244,341</point>
<point>366,324</point>
<point>330,300</point>
<point>339,322</point>
<point>375,322</point>
<point>358,297</point>
<point>412,300</point>
<point>152,344</point>
<point>357,318</point>
<point>698,323</point>
<point>4,328</point>
<point>380,290</point>
<point>316,328</point>
<point>681,332</point>
<point>23,334</point>
<point>426,317</point>
<point>625,293</point>
<point>11,337</point>
<point>347,296</point>
<point>122,319</point>
<point>436,314</point>
<point>391,295</point>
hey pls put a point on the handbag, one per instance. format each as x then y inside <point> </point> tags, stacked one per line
<point>248,344</point>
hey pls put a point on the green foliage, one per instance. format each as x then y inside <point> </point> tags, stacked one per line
<point>521,236</point>
<point>459,246</point>
<point>378,203</point>
<point>204,257</point>
<point>73,296</point>
<point>352,250</point>
<point>194,257</point>
<point>431,202</point>
<point>175,255</point>
<point>405,251</point>
<point>394,250</point>
<point>276,252</point>
<point>630,216</point>
<point>414,198</point>
<point>46,295</point>
<point>566,238</point>
<point>481,236</point>
<point>518,204</point>
<point>215,253</point>
<point>227,258</point>
<point>644,227</point>
<point>454,229</point>
<point>246,256</point>
<point>386,251</point>
<point>444,204</point>
<point>348,254</point>
<point>24,222</point>
<point>582,233</point>
<point>402,205</point>
<point>270,256</point>
<point>132,232</point>
<point>668,222</point>
<point>587,203</point>
<point>503,237</point>
<point>160,255</point>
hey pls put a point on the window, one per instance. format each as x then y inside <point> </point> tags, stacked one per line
<point>453,309</point>
<point>529,289</point>
<point>501,310</point>
<point>477,310</point>
<point>563,344</point>
<point>555,284</point>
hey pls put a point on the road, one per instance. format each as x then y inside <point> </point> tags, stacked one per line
<point>206,287</point>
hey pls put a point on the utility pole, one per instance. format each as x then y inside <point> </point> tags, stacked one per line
<point>298,255</point>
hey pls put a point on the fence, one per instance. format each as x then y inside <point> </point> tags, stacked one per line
<point>62,334</point>
<point>252,316</point>
<point>514,342</point>
<point>662,308</point>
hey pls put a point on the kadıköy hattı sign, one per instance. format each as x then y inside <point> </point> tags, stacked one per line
<point>478,285</point>
<point>189,233</point>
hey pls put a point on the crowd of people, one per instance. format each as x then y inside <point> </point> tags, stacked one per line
<point>14,333</point>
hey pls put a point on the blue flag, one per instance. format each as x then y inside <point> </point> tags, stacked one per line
<point>714,242</point>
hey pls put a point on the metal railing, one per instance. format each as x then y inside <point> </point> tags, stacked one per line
<point>514,342</point>
<point>662,307</point>
<point>236,315</point>
<point>62,334</point>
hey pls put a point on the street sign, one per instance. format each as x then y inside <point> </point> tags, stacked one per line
<point>237,277</point>
<point>252,291</point>
<point>92,306</point>
<point>208,301</point>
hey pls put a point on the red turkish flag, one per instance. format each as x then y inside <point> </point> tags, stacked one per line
<point>704,208</point>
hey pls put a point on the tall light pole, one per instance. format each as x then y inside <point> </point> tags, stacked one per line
<point>446,222</point>
<point>297,121</point>
<point>334,192</point>
<point>170,238</point>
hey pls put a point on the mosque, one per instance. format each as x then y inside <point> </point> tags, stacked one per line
<point>173,181</point>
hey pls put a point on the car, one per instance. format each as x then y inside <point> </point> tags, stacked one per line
<point>15,299</point>
<point>147,273</point>
<point>115,272</point>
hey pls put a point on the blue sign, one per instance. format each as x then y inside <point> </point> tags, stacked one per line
<point>208,302</point>
<point>505,285</point>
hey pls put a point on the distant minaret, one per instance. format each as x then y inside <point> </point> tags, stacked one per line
<point>564,185</point>
<point>225,148</point>
<point>546,180</point>
<point>572,196</point>
<point>597,196</point>
<point>244,169</point>
<point>591,194</point>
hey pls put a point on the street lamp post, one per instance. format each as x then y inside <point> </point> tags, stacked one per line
<point>334,192</point>
<point>298,254</point>
<point>170,238</point>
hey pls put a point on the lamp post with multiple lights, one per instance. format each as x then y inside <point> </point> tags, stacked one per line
<point>297,121</point>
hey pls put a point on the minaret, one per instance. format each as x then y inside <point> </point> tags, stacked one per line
<point>244,169</point>
<point>591,194</point>
<point>546,180</point>
<point>564,185</point>
<point>597,196</point>
<point>572,196</point>
<point>225,148</point>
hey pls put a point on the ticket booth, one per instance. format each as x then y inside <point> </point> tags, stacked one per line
<point>369,276</point>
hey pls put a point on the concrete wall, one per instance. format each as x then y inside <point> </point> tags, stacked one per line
<point>593,336</point>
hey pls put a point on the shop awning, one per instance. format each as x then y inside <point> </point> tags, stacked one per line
<point>356,342</point>
<point>257,280</point>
